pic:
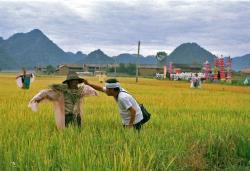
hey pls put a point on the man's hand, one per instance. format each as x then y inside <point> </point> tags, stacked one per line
<point>130,126</point>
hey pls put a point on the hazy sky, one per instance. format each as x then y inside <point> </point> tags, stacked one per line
<point>115,26</point>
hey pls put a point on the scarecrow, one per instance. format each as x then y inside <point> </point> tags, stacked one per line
<point>23,80</point>
<point>67,99</point>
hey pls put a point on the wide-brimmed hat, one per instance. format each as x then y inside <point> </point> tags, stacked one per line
<point>72,76</point>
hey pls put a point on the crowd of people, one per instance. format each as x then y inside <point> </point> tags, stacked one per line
<point>194,78</point>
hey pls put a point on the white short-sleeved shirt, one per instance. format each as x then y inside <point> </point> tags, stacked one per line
<point>125,101</point>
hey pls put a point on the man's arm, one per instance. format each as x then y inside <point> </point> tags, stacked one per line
<point>96,87</point>
<point>132,119</point>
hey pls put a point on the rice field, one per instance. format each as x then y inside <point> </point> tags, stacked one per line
<point>190,129</point>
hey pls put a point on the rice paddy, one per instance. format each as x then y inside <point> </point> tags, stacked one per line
<point>190,129</point>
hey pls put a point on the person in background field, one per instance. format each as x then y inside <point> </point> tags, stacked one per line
<point>195,81</point>
<point>67,99</point>
<point>101,77</point>
<point>24,80</point>
<point>129,109</point>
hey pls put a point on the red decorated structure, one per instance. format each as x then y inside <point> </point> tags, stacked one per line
<point>222,69</point>
<point>216,68</point>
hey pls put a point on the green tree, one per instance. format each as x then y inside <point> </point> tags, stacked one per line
<point>50,69</point>
<point>121,68</point>
<point>161,57</point>
<point>131,69</point>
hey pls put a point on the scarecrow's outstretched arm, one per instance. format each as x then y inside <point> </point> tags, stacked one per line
<point>45,94</point>
<point>51,95</point>
<point>42,95</point>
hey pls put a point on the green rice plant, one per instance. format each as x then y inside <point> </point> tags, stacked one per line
<point>204,129</point>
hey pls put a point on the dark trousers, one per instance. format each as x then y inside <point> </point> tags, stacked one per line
<point>137,126</point>
<point>73,119</point>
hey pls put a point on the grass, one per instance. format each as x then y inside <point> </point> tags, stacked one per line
<point>190,129</point>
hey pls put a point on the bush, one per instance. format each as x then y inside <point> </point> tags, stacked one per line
<point>50,69</point>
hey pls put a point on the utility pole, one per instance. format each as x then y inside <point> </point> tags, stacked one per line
<point>137,60</point>
<point>115,66</point>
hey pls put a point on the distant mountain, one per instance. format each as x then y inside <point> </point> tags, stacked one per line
<point>6,62</point>
<point>79,54</point>
<point>191,54</point>
<point>132,58</point>
<point>150,59</point>
<point>34,48</point>
<point>1,40</point>
<point>241,62</point>
<point>80,57</point>
<point>98,57</point>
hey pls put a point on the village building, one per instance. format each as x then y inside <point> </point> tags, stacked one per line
<point>91,69</point>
